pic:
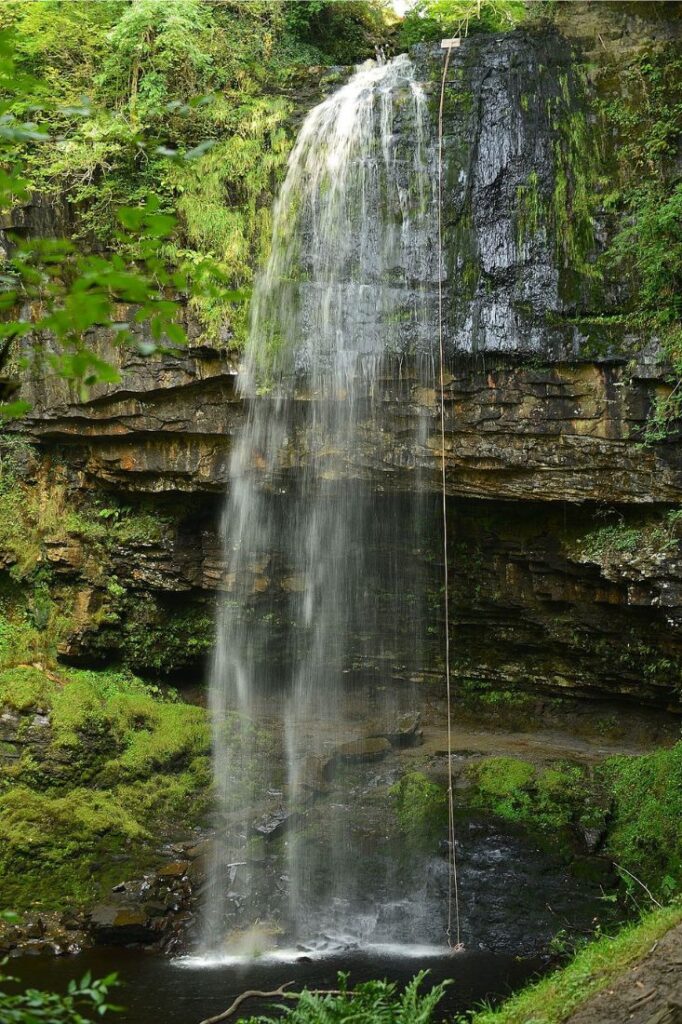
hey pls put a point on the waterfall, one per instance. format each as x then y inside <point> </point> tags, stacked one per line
<point>318,603</point>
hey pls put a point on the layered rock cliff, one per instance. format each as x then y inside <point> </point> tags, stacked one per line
<point>546,397</point>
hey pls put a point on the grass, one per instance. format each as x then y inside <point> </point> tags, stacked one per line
<point>554,998</point>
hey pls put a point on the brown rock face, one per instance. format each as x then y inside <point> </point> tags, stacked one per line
<point>551,433</point>
<point>541,434</point>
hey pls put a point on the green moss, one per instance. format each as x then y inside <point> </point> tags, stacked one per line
<point>566,213</point>
<point>39,611</point>
<point>120,764</point>
<point>421,807</point>
<point>434,19</point>
<point>529,210</point>
<point>637,801</point>
<point>503,777</point>
<point>545,800</point>
<point>24,688</point>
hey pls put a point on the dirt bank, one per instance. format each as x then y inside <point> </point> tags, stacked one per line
<point>650,992</point>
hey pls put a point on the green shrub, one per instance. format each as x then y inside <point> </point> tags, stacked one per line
<point>342,33</point>
<point>34,1006</point>
<point>646,115</point>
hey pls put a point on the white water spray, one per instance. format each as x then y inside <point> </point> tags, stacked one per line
<point>314,572</point>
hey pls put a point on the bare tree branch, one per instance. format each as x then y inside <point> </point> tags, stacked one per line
<point>250,994</point>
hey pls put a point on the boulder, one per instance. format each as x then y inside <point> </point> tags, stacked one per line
<point>313,774</point>
<point>176,869</point>
<point>360,751</point>
<point>405,731</point>
<point>275,823</point>
<point>116,925</point>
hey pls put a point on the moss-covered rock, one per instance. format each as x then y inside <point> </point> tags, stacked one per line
<point>111,768</point>
<point>421,807</point>
<point>628,806</point>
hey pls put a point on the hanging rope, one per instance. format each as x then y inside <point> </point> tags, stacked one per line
<point>453,886</point>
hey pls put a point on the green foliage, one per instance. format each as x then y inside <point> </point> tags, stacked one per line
<point>156,49</point>
<point>616,539</point>
<point>429,20</point>
<point>647,118</point>
<point>342,32</point>
<point>421,807</point>
<point>552,999</point>
<point>371,1002</point>
<point>653,245</point>
<point>85,997</point>
<point>153,638</point>
<point>646,830</point>
<point>649,537</point>
<point>71,294</point>
<point>169,83</point>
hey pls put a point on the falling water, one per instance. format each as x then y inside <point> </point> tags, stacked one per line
<point>317,607</point>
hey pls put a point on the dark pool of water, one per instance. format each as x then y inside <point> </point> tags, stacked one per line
<point>156,989</point>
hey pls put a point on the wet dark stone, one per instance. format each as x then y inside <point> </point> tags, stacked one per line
<point>114,925</point>
<point>359,752</point>
<point>276,823</point>
<point>405,731</point>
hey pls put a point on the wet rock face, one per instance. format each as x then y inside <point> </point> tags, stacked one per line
<point>548,433</point>
<point>518,261</point>
<point>538,600</point>
<point>503,98</point>
<point>531,414</point>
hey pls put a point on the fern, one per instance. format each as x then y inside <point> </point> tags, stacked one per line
<point>373,1002</point>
